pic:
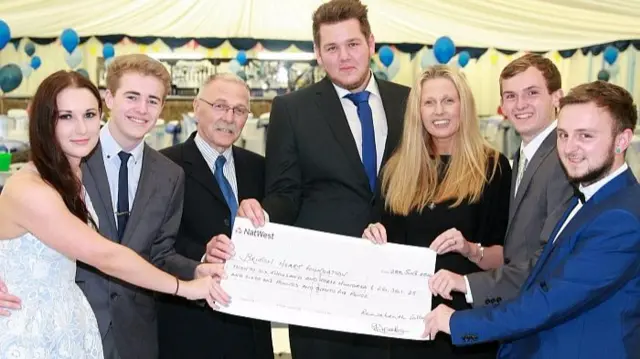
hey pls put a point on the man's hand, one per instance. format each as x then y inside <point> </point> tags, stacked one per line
<point>219,249</point>
<point>437,321</point>
<point>251,209</point>
<point>7,301</point>
<point>444,282</point>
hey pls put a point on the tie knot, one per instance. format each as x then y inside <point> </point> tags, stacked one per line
<point>220,161</point>
<point>358,97</point>
<point>577,193</point>
<point>124,156</point>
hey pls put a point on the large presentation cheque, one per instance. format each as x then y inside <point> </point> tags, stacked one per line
<point>296,276</point>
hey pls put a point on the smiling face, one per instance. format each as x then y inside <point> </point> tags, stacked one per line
<point>135,107</point>
<point>440,112</point>
<point>78,122</point>
<point>587,144</point>
<point>345,53</point>
<point>527,103</point>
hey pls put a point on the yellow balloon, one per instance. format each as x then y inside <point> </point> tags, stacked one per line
<point>493,58</point>
<point>143,48</point>
<point>155,48</point>
<point>93,50</point>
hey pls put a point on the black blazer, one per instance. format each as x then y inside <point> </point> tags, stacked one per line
<point>189,330</point>
<point>315,179</point>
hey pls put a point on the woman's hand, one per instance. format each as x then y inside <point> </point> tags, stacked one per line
<point>376,233</point>
<point>204,288</point>
<point>451,240</point>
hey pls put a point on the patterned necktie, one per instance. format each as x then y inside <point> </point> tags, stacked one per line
<point>123,194</point>
<point>522,166</point>
<point>225,187</point>
<point>369,156</point>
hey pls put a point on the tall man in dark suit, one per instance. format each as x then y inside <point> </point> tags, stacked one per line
<point>218,175</point>
<point>325,147</point>
<point>581,299</point>
<point>530,90</point>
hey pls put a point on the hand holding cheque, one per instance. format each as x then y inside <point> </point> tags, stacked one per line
<point>303,277</point>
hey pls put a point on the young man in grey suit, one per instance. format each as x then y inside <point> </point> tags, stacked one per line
<point>530,89</point>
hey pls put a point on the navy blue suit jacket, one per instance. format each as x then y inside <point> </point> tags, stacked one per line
<point>582,299</point>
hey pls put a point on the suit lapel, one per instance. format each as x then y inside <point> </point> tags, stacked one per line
<point>548,145</point>
<point>146,188</point>
<point>197,168</point>
<point>330,106</point>
<point>96,182</point>
<point>394,112</point>
<point>621,181</point>
<point>514,178</point>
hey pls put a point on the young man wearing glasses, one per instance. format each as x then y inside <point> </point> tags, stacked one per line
<point>218,176</point>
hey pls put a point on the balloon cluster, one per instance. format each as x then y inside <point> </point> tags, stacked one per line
<point>236,65</point>
<point>11,75</point>
<point>73,57</point>
<point>610,55</point>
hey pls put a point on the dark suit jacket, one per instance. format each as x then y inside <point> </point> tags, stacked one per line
<point>315,179</point>
<point>543,196</point>
<point>189,330</point>
<point>150,232</point>
<point>581,299</point>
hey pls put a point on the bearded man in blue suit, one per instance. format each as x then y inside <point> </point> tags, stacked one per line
<point>582,299</point>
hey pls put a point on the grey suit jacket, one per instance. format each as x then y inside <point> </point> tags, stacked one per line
<point>151,231</point>
<point>543,196</point>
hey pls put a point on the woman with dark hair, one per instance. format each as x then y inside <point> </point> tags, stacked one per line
<point>43,231</point>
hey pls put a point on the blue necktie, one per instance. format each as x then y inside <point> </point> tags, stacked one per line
<point>123,194</point>
<point>369,157</point>
<point>225,187</point>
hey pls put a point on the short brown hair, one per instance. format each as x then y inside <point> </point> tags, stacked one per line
<point>336,11</point>
<point>613,98</point>
<point>138,63</point>
<point>549,70</point>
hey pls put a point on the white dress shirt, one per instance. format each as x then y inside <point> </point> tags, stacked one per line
<point>379,118</point>
<point>210,155</point>
<point>529,151</point>
<point>110,150</point>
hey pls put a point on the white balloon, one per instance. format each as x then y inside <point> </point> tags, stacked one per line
<point>234,66</point>
<point>393,68</point>
<point>73,59</point>
<point>428,58</point>
<point>26,70</point>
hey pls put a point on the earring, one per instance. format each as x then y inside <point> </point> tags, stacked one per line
<point>618,150</point>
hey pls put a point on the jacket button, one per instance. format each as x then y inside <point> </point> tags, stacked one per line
<point>543,286</point>
<point>487,301</point>
<point>226,222</point>
<point>507,261</point>
<point>114,296</point>
<point>499,299</point>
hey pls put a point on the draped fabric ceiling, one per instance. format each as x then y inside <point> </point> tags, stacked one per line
<point>533,25</point>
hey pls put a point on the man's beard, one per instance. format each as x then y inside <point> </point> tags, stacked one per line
<point>596,174</point>
<point>351,86</point>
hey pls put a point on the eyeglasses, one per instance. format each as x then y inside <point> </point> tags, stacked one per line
<point>222,108</point>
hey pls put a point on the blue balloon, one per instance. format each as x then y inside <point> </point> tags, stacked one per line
<point>69,39</point>
<point>610,54</point>
<point>242,58</point>
<point>444,49</point>
<point>108,51</point>
<point>463,58</point>
<point>30,49</point>
<point>386,55</point>
<point>83,72</point>
<point>10,77</point>
<point>5,34</point>
<point>35,62</point>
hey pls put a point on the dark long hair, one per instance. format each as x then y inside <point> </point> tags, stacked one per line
<point>46,152</point>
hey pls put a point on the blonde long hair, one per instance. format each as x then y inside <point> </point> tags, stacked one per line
<point>410,177</point>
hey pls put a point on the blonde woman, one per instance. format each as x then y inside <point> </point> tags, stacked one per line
<point>447,189</point>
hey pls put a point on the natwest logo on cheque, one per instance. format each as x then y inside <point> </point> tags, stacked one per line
<point>254,232</point>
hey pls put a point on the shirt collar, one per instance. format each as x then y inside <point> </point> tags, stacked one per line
<point>111,148</point>
<point>591,189</point>
<point>532,147</point>
<point>372,87</point>
<point>210,154</point>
